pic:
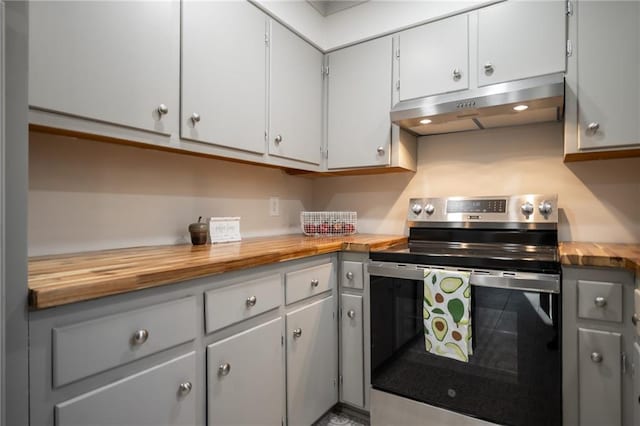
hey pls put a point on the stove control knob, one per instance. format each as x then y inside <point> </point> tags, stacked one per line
<point>545,208</point>
<point>527,209</point>
<point>429,209</point>
<point>416,208</point>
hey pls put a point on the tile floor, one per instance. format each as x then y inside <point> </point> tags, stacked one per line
<point>335,418</point>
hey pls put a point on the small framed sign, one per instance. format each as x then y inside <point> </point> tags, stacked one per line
<point>224,229</point>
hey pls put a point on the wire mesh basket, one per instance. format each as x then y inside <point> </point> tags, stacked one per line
<point>328,223</point>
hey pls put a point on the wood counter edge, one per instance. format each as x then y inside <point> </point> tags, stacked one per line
<point>571,255</point>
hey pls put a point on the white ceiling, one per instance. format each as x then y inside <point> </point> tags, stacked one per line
<point>329,7</point>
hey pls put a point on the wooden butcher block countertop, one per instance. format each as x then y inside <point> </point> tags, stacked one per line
<point>61,279</point>
<point>610,255</point>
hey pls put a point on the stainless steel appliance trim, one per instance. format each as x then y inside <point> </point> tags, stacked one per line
<point>513,217</point>
<point>524,281</point>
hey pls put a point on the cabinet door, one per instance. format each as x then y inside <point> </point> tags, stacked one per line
<point>600,378</point>
<point>636,384</point>
<point>434,58</point>
<point>224,74</point>
<point>359,103</point>
<point>295,97</point>
<point>162,395</point>
<point>520,39</point>
<point>110,61</point>
<point>312,364</point>
<point>352,350</point>
<point>245,377</point>
<point>608,50</point>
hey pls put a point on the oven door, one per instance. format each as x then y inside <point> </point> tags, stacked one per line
<point>514,374</point>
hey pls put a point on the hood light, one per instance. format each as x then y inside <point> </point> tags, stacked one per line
<point>520,108</point>
<point>425,121</point>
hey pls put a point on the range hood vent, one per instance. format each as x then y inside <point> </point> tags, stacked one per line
<point>485,107</point>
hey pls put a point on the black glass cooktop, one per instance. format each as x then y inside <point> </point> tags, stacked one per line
<point>519,250</point>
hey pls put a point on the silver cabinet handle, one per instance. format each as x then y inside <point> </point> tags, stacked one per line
<point>488,68</point>
<point>314,283</point>
<point>351,313</point>
<point>593,127</point>
<point>596,357</point>
<point>380,150</point>
<point>457,74</point>
<point>635,319</point>
<point>600,302</point>
<point>251,301</point>
<point>162,109</point>
<point>185,388</point>
<point>195,118</point>
<point>278,139</point>
<point>349,275</point>
<point>297,333</point>
<point>224,369</point>
<point>140,336</point>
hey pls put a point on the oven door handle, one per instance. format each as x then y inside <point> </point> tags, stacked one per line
<point>524,281</point>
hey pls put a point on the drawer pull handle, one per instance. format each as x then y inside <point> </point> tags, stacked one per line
<point>635,319</point>
<point>140,336</point>
<point>297,333</point>
<point>185,388</point>
<point>251,301</point>
<point>224,369</point>
<point>349,275</point>
<point>351,313</point>
<point>600,302</point>
<point>314,283</point>
<point>596,357</point>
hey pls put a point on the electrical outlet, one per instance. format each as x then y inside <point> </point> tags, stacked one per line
<point>274,206</point>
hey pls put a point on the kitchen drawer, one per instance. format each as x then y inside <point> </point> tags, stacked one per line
<point>162,395</point>
<point>352,275</point>
<point>90,347</point>
<point>600,300</point>
<point>308,282</point>
<point>238,302</point>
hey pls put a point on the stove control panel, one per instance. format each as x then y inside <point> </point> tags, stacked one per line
<point>514,209</point>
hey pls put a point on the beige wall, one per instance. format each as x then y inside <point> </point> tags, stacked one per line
<point>86,195</point>
<point>599,200</point>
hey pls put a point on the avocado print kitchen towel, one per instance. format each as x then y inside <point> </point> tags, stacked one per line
<point>447,313</point>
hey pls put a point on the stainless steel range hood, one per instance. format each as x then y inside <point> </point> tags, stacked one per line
<point>484,107</point>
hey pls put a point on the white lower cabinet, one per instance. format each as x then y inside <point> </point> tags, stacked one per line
<point>312,364</point>
<point>600,377</point>
<point>245,377</point>
<point>162,395</point>
<point>352,350</point>
<point>636,384</point>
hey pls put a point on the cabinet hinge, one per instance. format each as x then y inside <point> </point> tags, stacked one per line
<point>569,48</point>
<point>335,383</point>
<point>569,8</point>
<point>398,53</point>
<point>623,360</point>
<point>398,85</point>
<point>265,135</point>
<point>341,315</point>
<point>341,379</point>
<point>266,39</point>
<point>281,340</point>
<point>324,70</point>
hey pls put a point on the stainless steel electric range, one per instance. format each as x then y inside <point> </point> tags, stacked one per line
<point>509,245</point>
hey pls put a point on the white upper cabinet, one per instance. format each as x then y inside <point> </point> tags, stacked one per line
<point>608,70</point>
<point>359,100</point>
<point>224,68</point>
<point>434,58</point>
<point>295,97</point>
<point>111,61</point>
<point>520,39</point>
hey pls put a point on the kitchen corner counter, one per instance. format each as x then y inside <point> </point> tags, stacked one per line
<point>62,279</point>
<point>608,255</point>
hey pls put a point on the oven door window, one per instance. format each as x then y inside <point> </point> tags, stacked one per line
<point>514,374</point>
